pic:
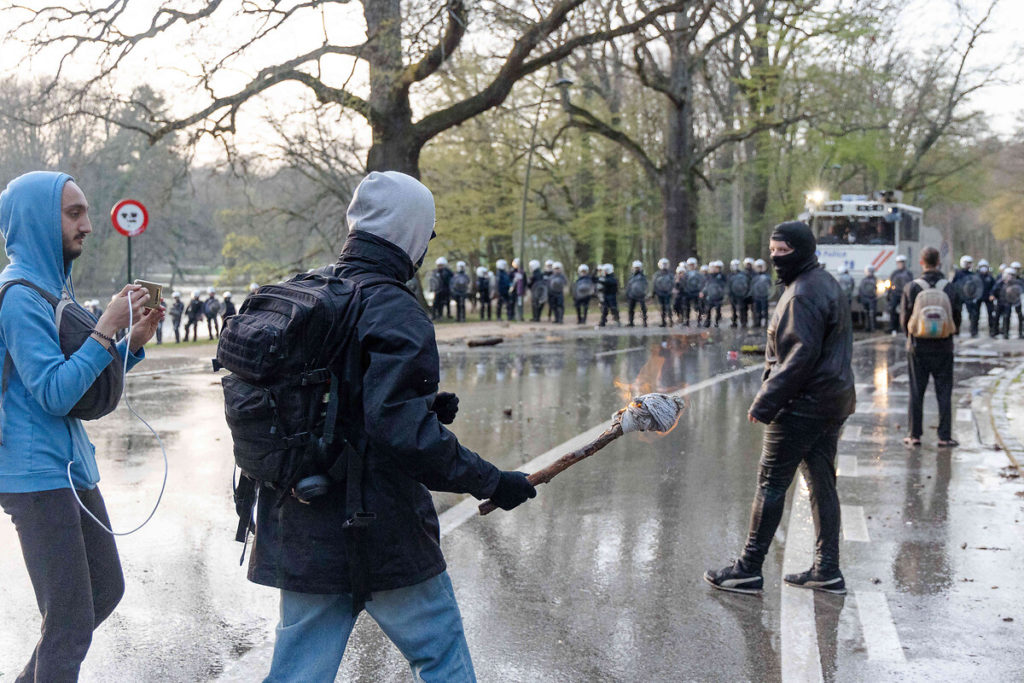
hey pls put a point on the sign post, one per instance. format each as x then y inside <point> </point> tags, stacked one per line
<point>130,218</point>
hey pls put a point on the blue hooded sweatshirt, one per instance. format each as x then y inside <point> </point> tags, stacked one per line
<point>37,438</point>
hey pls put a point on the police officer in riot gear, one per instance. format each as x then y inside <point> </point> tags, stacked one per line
<point>897,281</point>
<point>440,285</point>
<point>557,283</point>
<point>538,290</point>
<point>506,299</point>
<point>483,292</point>
<point>636,292</point>
<point>846,283</point>
<point>988,283</point>
<point>1007,296</point>
<point>609,294</point>
<point>748,303</point>
<point>583,291</point>
<point>761,291</point>
<point>712,294</point>
<point>663,285</point>
<point>460,290</point>
<point>970,288</point>
<point>739,289</point>
<point>691,285</point>
<point>867,294</point>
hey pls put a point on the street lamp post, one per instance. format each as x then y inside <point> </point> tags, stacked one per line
<point>561,83</point>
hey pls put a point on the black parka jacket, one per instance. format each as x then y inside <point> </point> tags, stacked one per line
<point>808,353</point>
<point>301,547</point>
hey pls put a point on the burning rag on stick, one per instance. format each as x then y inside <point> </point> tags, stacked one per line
<point>647,413</point>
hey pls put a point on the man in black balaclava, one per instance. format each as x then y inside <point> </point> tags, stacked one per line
<point>806,395</point>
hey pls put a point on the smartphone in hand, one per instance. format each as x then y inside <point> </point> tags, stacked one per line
<point>155,293</point>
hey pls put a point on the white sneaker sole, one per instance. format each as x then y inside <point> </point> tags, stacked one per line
<point>733,589</point>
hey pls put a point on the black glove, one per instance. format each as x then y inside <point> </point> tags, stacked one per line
<point>512,490</point>
<point>446,405</point>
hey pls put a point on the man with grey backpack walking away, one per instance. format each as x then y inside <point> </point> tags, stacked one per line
<point>931,316</point>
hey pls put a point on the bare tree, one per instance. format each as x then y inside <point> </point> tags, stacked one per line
<point>405,45</point>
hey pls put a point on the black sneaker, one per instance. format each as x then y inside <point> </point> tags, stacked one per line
<point>827,582</point>
<point>735,579</point>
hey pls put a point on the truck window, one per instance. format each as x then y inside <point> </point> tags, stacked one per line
<point>910,227</point>
<point>832,229</point>
<point>877,231</point>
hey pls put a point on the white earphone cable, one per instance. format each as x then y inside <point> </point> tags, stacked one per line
<point>124,392</point>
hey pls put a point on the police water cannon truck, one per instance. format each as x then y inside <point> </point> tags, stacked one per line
<point>857,231</point>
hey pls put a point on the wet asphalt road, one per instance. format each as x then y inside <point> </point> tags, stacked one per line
<point>599,578</point>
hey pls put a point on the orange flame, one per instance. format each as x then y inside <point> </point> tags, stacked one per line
<point>649,380</point>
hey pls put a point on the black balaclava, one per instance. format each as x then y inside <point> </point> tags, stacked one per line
<point>797,235</point>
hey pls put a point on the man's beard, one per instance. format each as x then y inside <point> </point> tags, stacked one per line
<point>72,252</point>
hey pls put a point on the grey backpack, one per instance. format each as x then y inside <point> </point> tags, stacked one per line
<point>74,325</point>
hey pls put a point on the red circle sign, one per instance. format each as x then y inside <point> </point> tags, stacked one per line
<point>129,217</point>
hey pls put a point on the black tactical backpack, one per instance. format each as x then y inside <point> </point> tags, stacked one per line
<point>291,353</point>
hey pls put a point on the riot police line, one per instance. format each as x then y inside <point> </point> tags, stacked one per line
<point>696,293</point>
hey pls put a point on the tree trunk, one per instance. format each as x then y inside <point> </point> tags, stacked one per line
<point>679,183</point>
<point>394,145</point>
<point>679,193</point>
<point>762,100</point>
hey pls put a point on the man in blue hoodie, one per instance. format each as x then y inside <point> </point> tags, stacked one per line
<point>71,560</point>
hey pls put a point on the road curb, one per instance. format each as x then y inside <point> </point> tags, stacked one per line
<point>999,399</point>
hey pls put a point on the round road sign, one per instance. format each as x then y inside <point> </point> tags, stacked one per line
<point>129,217</point>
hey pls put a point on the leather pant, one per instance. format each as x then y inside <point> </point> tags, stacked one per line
<point>792,442</point>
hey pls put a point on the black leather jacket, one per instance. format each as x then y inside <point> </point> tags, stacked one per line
<point>808,353</point>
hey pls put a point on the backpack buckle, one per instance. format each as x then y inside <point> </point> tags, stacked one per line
<point>318,376</point>
<point>359,520</point>
<point>297,440</point>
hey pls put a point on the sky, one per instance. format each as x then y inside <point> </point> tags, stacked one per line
<point>935,22</point>
<point>924,24</point>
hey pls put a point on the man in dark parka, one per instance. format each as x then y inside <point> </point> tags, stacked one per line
<point>395,410</point>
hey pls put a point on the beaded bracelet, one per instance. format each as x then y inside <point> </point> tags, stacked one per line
<point>103,336</point>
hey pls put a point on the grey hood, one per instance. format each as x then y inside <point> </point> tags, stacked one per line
<point>395,207</point>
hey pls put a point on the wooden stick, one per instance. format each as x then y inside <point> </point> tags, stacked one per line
<point>548,473</point>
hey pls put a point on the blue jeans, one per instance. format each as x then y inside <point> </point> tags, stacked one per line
<point>422,620</point>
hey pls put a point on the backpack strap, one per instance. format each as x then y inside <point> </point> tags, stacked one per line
<point>8,361</point>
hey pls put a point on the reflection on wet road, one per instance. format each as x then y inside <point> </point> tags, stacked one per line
<point>599,577</point>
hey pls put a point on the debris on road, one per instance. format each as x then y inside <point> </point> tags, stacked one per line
<point>485,341</point>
